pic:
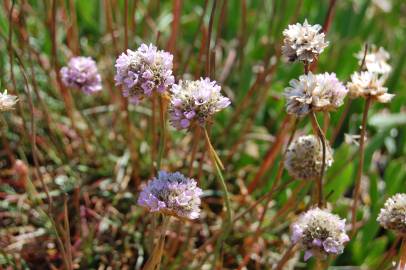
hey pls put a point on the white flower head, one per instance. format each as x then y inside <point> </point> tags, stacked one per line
<point>393,214</point>
<point>303,42</point>
<point>365,83</point>
<point>375,60</point>
<point>304,157</point>
<point>7,102</point>
<point>322,92</point>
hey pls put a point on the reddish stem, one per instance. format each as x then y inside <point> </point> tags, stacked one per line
<point>360,165</point>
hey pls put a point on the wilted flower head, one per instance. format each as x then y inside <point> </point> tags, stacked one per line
<point>81,73</point>
<point>304,157</point>
<point>303,42</point>
<point>393,214</point>
<point>322,92</point>
<point>172,194</point>
<point>7,102</point>
<point>319,233</point>
<point>195,101</point>
<point>375,60</point>
<point>365,83</point>
<point>142,71</point>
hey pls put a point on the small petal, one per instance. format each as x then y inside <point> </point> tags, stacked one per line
<point>308,254</point>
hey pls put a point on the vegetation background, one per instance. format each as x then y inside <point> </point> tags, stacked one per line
<point>93,152</point>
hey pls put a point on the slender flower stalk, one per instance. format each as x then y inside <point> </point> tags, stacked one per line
<point>226,226</point>
<point>402,256</point>
<point>154,261</point>
<point>286,257</point>
<point>162,139</point>
<point>320,134</point>
<point>195,144</point>
<point>320,264</point>
<point>369,85</point>
<point>360,165</point>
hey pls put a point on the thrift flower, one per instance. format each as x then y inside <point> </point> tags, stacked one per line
<point>364,84</point>
<point>7,102</point>
<point>81,73</point>
<point>319,233</point>
<point>322,92</point>
<point>195,101</point>
<point>304,157</point>
<point>303,42</point>
<point>172,194</point>
<point>393,214</point>
<point>375,60</point>
<point>143,71</point>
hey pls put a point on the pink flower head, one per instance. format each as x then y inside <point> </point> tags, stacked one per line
<point>81,73</point>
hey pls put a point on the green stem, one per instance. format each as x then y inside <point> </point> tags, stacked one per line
<point>226,226</point>
<point>212,151</point>
<point>162,139</point>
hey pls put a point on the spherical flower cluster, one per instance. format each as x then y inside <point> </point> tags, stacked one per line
<point>393,214</point>
<point>376,60</point>
<point>304,157</point>
<point>303,42</point>
<point>322,92</point>
<point>81,73</point>
<point>319,233</point>
<point>7,102</point>
<point>195,101</point>
<point>142,71</point>
<point>368,84</point>
<point>172,194</point>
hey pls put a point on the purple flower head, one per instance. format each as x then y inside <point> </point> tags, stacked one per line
<point>319,233</point>
<point>143,71</point>
<point>195,101</point>
<point>81,73</point>
<point>172,194</point>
